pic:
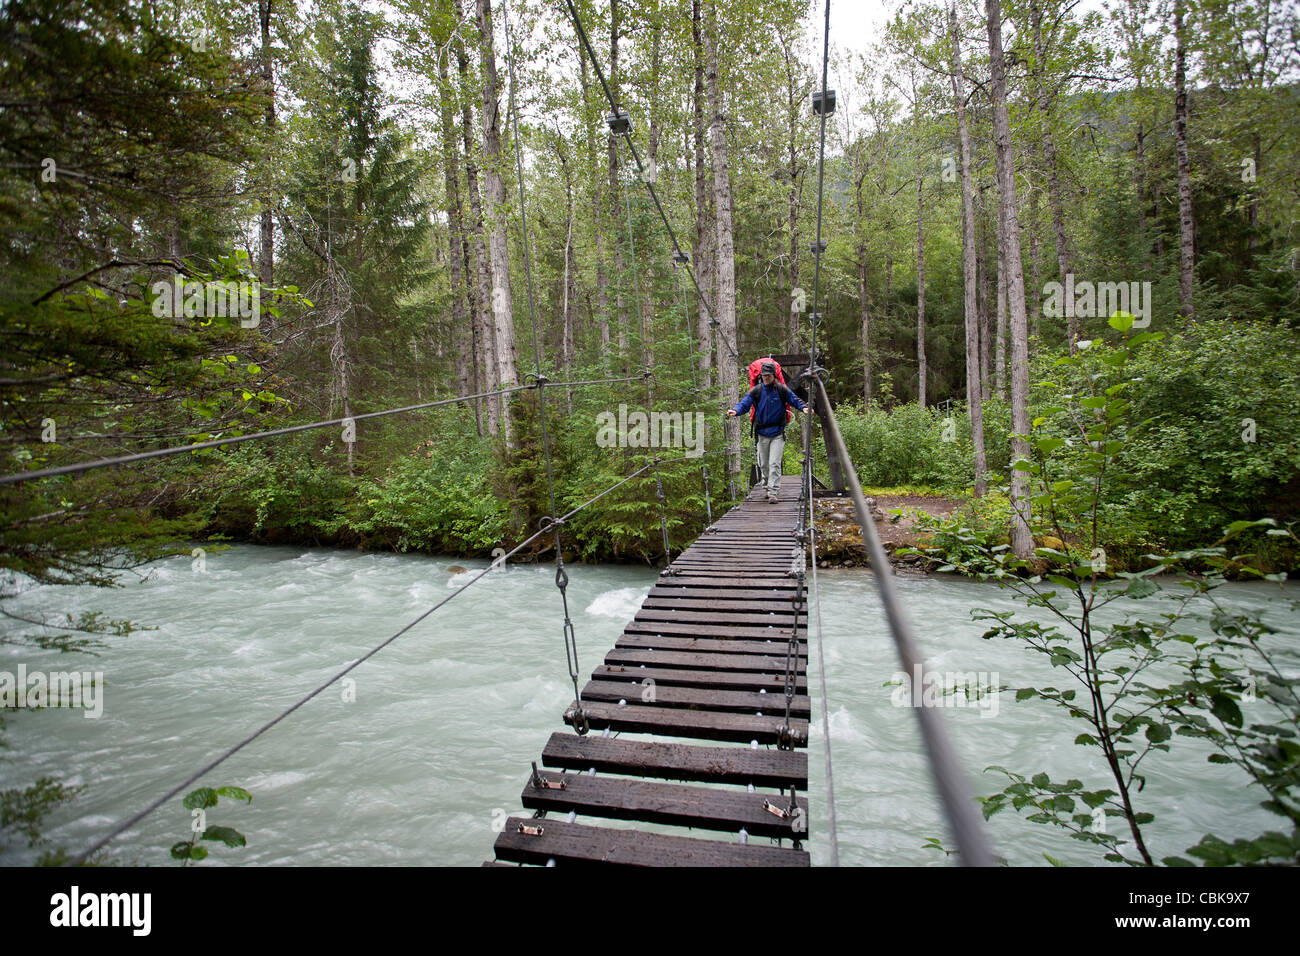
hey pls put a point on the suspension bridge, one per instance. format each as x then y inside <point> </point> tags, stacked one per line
<point>710,679</point>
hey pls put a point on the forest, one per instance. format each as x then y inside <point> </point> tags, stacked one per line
<point>998,182</point>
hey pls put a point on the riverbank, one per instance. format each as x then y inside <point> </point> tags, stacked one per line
<point>903,521</point>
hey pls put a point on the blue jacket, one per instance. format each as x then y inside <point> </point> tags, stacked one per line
<point>769,419</point>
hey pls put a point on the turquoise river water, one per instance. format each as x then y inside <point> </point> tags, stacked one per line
<point>435,748</point>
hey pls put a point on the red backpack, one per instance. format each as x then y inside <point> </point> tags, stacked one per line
<point>755,371</point>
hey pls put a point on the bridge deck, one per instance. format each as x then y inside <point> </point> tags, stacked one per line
<point>703,660</point>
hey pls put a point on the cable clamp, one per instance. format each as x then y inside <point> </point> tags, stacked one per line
<point>541,783</point>
<point>818,247</point>
<point>823,102</point>
<point>530,829</point>
<point>681,257</point>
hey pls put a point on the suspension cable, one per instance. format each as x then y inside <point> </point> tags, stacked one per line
<point>819,247</point>
<point>695,378</point>
<point>235,439</point>
<point>645,359</point>
<point>808,529</point>
<point>626,132</point>
<point>954,791</point>
<point>580,722</point>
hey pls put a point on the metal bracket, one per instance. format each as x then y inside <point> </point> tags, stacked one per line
<point>823,101</point>
<point>775,810</point>
<point>619,121</point>
<point>528,829</point>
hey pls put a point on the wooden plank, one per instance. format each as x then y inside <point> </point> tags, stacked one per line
<point>709,617</point>
<point>724,582</point>
<point>766,664</point>
<point>751,549</point>
<point>645,801</point>
<point>747,606</point>
<point>700,724</point>
<point>692,591</point>
<point>722,680</point>
<point>657,642</point>
<point>722,701</point>
<point>576,843</point>
<point>756,632</point>
<point>646,758</point>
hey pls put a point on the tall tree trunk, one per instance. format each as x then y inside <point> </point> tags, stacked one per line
<point>339,299</point>
<point>864,323</point>
<point>1140,188</point>
<point>1036,310</point>
<point>920,294</point>
<point>568,290</point>
<point>480,302</point>
<point>1034,268</point>
<point>1186,219</point>
<point>620,265</point>
<point>652,263</point>
<point>266,249</point>
<point>864,310</point>
<point>1000,343</point>
<point>1050,166</point>
<point>460,332</point>
<point>597,220</point>
<point>974,406</point>
<point>705,235</point>
<point>793,103</point>
<point>502,308</point>
<point>1022,542</point>
<point>982,270</point>
<point>728,372</point>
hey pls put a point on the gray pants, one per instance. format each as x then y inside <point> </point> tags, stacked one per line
<point>770,451</point>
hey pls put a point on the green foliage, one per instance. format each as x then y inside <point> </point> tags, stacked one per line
<point>198,802</point>
<point>438,498</point>
<point>23,810</point>
<point>907,445</point>
<point>1115,675</point>
<point>1215,437</point>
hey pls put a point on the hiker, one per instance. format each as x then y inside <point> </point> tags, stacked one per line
<point>769,400</point>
